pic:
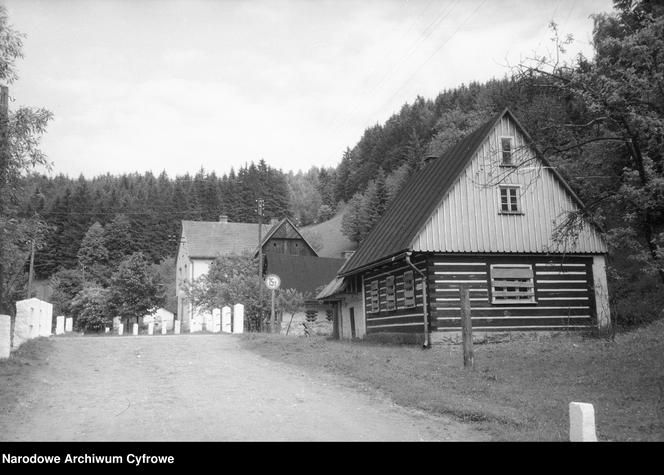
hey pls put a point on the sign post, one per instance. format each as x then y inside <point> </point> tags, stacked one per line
<point>272,282</point>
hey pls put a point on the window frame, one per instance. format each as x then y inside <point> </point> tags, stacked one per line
<point>390,293</point>
<point>409,300</point>
<point>510,162</point>
<point>374,294</point>
<point>512,301</point>
<point>519,206</point>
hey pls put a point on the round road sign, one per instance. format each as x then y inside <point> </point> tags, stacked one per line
<point>272,281</point>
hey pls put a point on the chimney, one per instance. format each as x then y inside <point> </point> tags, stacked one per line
<point>223,218</point>
<point>274,221</point>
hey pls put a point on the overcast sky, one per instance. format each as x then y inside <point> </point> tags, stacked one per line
<point>168,85</point>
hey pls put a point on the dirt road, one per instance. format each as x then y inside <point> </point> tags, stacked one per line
<point>199,388</point>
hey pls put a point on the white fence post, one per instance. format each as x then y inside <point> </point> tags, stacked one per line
<point>69,324</point>
<point>45,318</point>
<point>120,329</point>
<point>135,329</point>
<point>176,327</point>
<point>226,319</point>
<point>5,336</point>
<point>582,422</point>
<point>238,318</point>
<point>163,326</point>
<point>151,328</point>
<point>59,325</point>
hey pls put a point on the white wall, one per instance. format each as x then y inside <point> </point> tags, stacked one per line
<point>355,302</point>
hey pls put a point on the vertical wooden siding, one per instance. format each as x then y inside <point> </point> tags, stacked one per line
<point>564,297</point>
<point>402,319</point>
<point>468,219</point>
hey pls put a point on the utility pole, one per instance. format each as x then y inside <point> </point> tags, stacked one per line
<point>4,166</point>
<point>261,204</point>
<point>32,267</point>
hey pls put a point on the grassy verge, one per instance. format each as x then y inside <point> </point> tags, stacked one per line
<point>17,374</point>
<point>519,390</point>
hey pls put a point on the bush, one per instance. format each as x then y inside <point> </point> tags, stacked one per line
<point>90,309</point>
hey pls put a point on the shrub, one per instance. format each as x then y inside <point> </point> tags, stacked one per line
<point>90,309</point>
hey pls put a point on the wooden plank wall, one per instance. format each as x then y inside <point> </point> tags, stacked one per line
<point>402,319</point>
<point>564,296</point>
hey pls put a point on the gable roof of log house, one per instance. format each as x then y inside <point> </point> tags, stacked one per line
<point>421,195</point>
<point>208,239</point>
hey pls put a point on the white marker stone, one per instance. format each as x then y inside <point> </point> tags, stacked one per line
<point>226,319</point>
<point>238,318</point>
<point>176,327</point>
<point>135,329</point>
<point>69,324</point>
<point>106,329</point>
<point>216,323</point>
<point>163,327</point>
<point>582,422</point>
<point>120,329</point>
<point>5,336</point>
<point>59,325</point>
<point>151,328</point>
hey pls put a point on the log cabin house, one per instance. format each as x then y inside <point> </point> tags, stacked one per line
<point>484,214</point>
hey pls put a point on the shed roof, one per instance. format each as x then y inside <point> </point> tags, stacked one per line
<point>303,273</point>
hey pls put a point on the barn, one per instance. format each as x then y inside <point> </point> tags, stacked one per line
<point>485,214</point>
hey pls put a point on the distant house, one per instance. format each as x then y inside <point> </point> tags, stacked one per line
<point>202,241</point>
<point>482,215</point>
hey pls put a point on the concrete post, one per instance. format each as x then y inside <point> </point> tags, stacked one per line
<point>163,327</point>
<point>106,329</point>
<point>69,324</point>
<point>582,422</point>
<point>120,329</point>
<point>5,336</point>
<point>226,319</point>
<point>59,325</point>
<point>135,329</point>
<point>238,318</point>
<point>151,328</point>
<point>176,327</point>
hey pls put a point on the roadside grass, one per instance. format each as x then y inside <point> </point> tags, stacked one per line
<point>17,383</point>
<point>518,390</point>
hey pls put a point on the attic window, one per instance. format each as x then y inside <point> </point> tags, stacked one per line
<point>506,151</point>
<point>512,283</point>
<point>510,202</point>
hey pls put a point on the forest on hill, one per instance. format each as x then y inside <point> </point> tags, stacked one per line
<point>599,121</point>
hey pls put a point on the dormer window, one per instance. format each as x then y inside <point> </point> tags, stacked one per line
<point>510,202</point>
<point>507,151</point>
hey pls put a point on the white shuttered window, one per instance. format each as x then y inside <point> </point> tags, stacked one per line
<point>512,283</point>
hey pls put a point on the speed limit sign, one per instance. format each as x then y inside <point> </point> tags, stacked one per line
<point>272,281</point>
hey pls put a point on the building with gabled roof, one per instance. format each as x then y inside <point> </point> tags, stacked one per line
<point>202,241</point>
<point>485,214</point>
